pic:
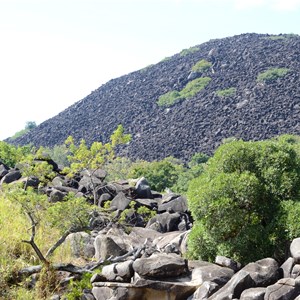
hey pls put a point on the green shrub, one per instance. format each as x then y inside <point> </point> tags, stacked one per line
<point>194,86</point>
<point>160,174</point>
<point>272,74</point>
<point>226,92</point>
<point>236,202</point>
<point>202,66</point>
<point>76,287</point>
<point>169,98</point>
<point>189,91</point>
<point>188,51</point>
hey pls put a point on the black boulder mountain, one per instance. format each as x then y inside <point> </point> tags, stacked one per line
<point>257,110</point>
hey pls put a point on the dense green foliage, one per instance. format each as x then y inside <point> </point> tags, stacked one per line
<point>238,201</point>
<point>10,154</point>
<point>226,92</point>
<point>189,91</point>
<point>202,66</point>
<point>160,174</point>
<point>272,74</point>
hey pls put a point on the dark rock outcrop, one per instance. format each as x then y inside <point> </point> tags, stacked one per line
<point>257,110</point>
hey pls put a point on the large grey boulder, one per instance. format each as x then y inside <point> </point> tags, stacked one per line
<point>253,294</point>
<point>11,176</point>
<point>173,203</point>
<point>120,202</point>
<point>56,196</point>
<point>258,274</point>
<point>120,272</point>
<point>105,246</point>
<point>283,289</point>
<point>160,266</point>
<point>143,189</point>
<point>143,289</point>
<point>211,273</point>
<point>295,249</point>
<point>287,267</point>
<point>3,170</point>
<point>165,222</point>
<point>206,289</point>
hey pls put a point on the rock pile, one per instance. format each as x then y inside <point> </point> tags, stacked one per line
<point>147,263</point>
<point>256,111</point>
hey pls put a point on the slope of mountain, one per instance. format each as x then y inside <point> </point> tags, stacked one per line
<point>253,110</point>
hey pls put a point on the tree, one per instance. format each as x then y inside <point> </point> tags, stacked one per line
<point>160,174</point>
<point>93,158</point>
<point>30,125</point>
<point>237,201</point>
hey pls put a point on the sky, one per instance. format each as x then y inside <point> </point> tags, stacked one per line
<point>53,53</point>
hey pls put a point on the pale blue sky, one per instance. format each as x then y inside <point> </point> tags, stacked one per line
<point>55,52</point>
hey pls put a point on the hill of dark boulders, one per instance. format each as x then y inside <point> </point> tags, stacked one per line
<point>258,110</point>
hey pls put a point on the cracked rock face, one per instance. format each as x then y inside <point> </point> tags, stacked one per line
<point>257,110</point>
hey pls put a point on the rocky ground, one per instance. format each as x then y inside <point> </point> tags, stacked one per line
<point>258,110</point>
<point>148,262</point>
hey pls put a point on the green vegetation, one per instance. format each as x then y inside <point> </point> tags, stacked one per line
<point>272,74</point>
<point>281,37</point>
<point>159,174</point>
<point>226,92</point>
<point>240,201</point>
<point>194,86</point>
<point>29,126</point>
<point>169,98</point>
<point>202,66</point>
<point>189,91</point>
<point>188,51</point>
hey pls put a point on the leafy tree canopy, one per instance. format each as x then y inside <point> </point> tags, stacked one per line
<point>237,201</point>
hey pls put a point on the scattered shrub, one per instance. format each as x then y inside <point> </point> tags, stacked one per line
<point>190,50</point>
<point>272,74</point>
<point>195,86</point>
<point>202,66</point>
<point>226,92</point>
<point>189,91</point>
<point>169,98</point>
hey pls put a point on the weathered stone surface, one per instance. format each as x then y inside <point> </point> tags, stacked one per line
<point>56,195</point>
<point>206,289</point>
<point>259,274</point>
<point>3,170</point>
<point>143,189</point>
<point>11,176</point>
<point>212,273</point>
<point>284,289</point>
<point>105,247</point>
<point>160,266</point>
<point>295,271</point>
<point>295,249</point>
<point>120,202</point>
<point>253,294</point>
<point>121,272</point>
<point>164,222</point>
<point>234,287</point>
<point>287,267</point>
<point>142,290</point>
<point>264,271</point>
<point>178,204</point>
<point>227,262</point>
